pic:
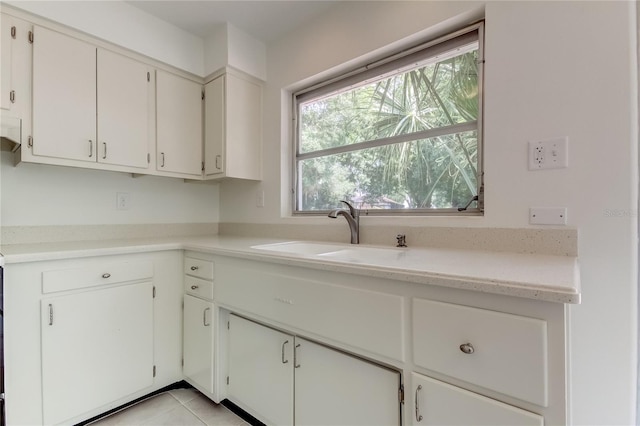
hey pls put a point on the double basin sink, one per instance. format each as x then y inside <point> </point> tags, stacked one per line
<point>338,252</point>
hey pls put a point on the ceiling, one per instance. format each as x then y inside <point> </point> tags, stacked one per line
<point>266,20</point>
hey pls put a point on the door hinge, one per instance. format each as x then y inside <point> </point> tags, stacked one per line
<point>13,32</point>
<point>148,158</point>
<point>148,76</point>
<point>12,96</point>
<point>154,291</point>
<point>203,166</point>
<point>228,325</point>
<point>401,394</point>
<point>154,371</point>
<point>30,142</point>
<point>31,37</point>
<point>227,379</point>
<point>203,94</point>
<point>182,362</point>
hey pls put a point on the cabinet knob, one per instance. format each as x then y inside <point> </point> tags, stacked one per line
<point>467,348</point>
<point>193,287</point>
<point>106,275</point>
<point>194,268</point>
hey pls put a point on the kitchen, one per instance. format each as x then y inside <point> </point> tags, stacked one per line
<point>545,62</point>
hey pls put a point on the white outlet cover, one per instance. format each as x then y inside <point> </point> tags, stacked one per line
<point>123,201</point>
<point>548,215</point>
<point>549,154</point>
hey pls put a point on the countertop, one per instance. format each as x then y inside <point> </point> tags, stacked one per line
<point>533,276</point>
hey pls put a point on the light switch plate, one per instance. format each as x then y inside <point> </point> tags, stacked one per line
<point>548,215</point>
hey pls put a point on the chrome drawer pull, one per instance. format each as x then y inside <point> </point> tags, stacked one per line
<point>204,317</point>
<point>418,415</point>
<point>106,275</point>
<point>194,268</point>
<point>296,364</point>
<point>193,287</point>
<point>284,361</point>
<point>467,348</point>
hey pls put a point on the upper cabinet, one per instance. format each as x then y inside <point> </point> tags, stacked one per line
<point>233,127</point>
<point>15,77</point>
<point>80,102</point>
<point>89,104</point>
<point>179,125</point>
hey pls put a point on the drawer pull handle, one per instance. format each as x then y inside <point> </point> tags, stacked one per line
<point>106,275</point>
<point>284,361</point>
<point>193,287</point>
<point>418,415</point>
<point>296,364</point>
<point>204,317</point>
<point>194,268</point>
<point>50,314</point>
<point>467,348</point>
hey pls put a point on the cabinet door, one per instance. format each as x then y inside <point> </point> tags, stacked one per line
<point>64,96</point>
<point>123,91</point>
<point>198,342</point>
<point>214,131</point>
<point>6,61</point>
<point>179,124</point>
<point>97,346</point>
<point>261,371</point>
<point>438,403</point>
<point>333,388</point>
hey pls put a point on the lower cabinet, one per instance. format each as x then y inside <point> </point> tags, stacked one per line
<point>198,343</point>
<point>269,370</point>
<point>439,403</point>
<point>86,338</point>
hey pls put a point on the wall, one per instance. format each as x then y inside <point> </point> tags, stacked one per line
<point>552,69</point>
<point>39,195</point>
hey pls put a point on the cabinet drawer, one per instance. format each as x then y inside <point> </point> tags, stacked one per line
<point>502,352</point>
<point>198,287</point>
<point>94,273</point>
<point>198,268</point>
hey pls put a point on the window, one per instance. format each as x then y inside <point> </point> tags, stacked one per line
<point>402,135</point>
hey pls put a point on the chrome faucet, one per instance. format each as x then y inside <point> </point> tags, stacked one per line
<point>353,219</point>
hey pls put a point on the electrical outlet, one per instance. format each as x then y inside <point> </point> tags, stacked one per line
<point>549,154</point>
<point>260,199</point>
<point>123,201</point>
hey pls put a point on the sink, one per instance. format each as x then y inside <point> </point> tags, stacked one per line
<point>338,252</point>
<point>301,247</point>
<point>366,255</point>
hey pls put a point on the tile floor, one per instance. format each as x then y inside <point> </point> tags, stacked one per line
<point>178,407</point>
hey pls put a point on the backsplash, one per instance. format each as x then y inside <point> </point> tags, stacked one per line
<point>561,242</point>
<point>60,233</point>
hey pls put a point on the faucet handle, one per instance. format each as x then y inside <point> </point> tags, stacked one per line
<point>352,210</point>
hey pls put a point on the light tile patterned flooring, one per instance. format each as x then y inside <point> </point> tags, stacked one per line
<point>178,407</point>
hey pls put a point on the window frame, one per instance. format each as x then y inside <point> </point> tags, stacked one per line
<point>376,71</point>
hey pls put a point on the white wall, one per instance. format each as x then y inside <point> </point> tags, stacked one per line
<point>36,194</point>
<point>553,69</point>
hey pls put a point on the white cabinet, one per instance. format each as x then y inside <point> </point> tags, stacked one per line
<point>83,336</point>
<point>438,403</point>
<point>179,125</point>
<point>15,78</point>
<point>199,325</point>
<point>358,392</point>
<point>96,347</point>
<point>233,127</point>
<point>198,343</point>
<point>261,366</point>
<point>331,388</point>
<point>89,104</point>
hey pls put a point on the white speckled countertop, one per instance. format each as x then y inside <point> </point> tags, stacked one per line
<point>534,276</point>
